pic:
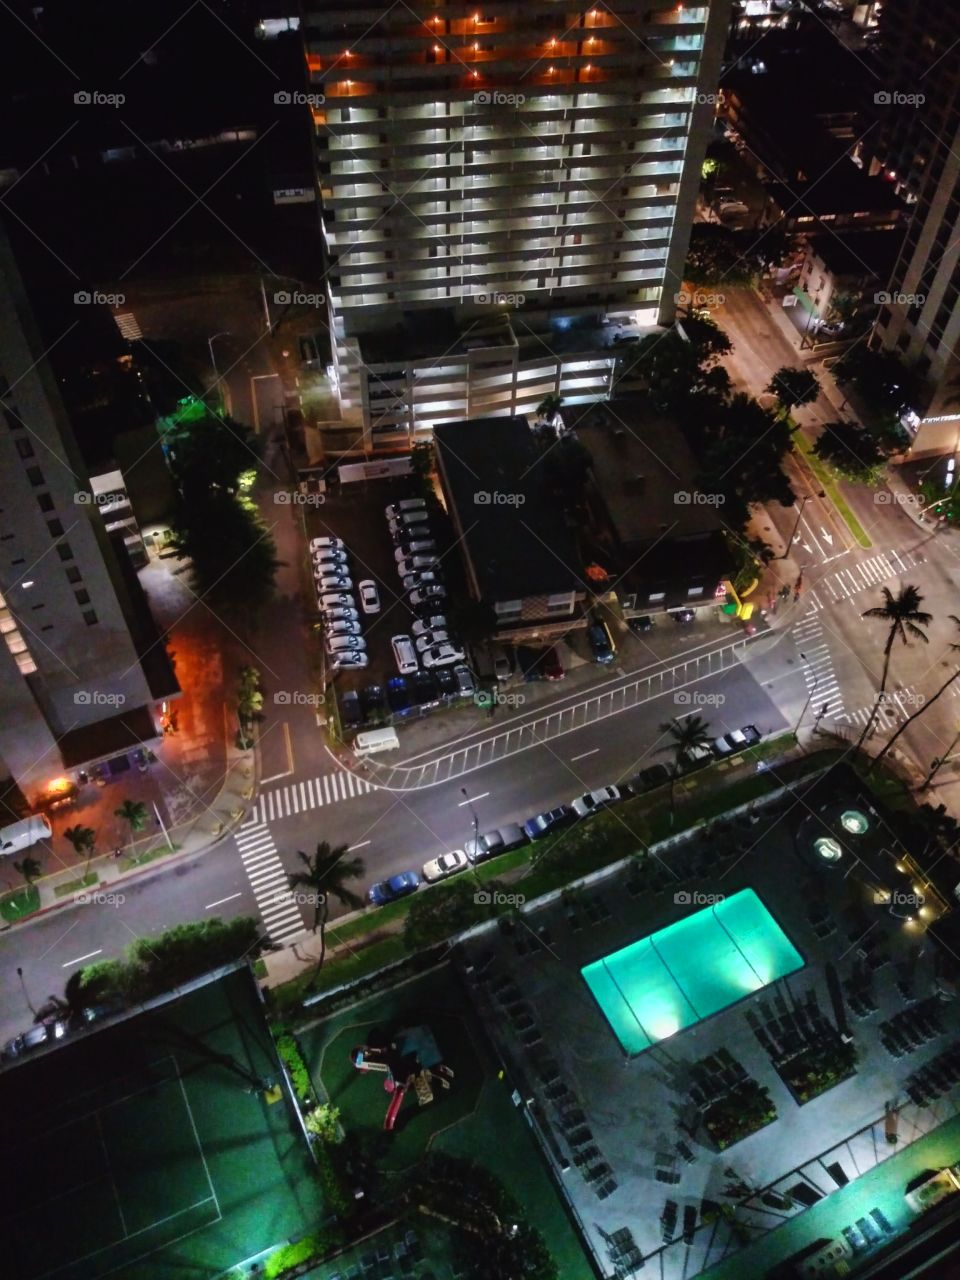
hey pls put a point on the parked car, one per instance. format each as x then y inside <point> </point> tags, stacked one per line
<point>399,695</point>
<point>416,564</point>
<point>396,510</point>
<point>442,655</point>
<point>493,843</point>
<point>394,888</point>
<point>326,544</point>
<point>107,1007</point>
<point>422,578</point>
<point>544,824</point>
<point>647,779</point>
<point>697,756</point>
<point>352,658</point>
<point>433,622</point>
<point>551,668</point>
<point>446,682</point>
<point>737,740</point>
<point>372,700</point>
<point>351,713</point>
<point>328,557</point>
<point>424,688</point>
<point>594,801</point>
<point>448,864</point>
<point>427,595</point>
<point>502,666</point>
<point>430,639</point>
<point>341,627</point>
<point>641,624</point>
<point>419,547</point>
<point>404,654</point>
<point>335,582</point>
<point>601,641</point>
<point>342,644</point>
<point>369,596</point>
<point>412,524</point>
<point>340,614</point>
<point>685,617</point>
<point>31,1039</point>
<point>337,600</point>
<point>466,685</point>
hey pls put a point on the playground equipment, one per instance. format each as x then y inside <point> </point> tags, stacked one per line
<point>410,1061</point>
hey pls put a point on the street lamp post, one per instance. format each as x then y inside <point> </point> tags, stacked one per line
<point>26,994</point>
<point>796,528</point>
<point>473,814</point>
<point>813,689</point>
<point>224,333</point>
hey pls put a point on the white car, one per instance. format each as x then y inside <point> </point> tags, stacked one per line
<point>341,627</point>
<point>422,578</point>
<point>328,558</point>
<point>448,864</point>
<point>432,594</point>
<point>416,564</point>
<point>404,655</point>
<point>425,546</point>
<point>593,801</point>
<point>431,640</point>
<point>442,655</point>
<point>369,596</point>
<point>423,626</point>
<point>353,658</point>
<point>337,600</point>
<point>345,644</point>
<point>341,613</point>
<point>326,544</point>
<point>335,582</point>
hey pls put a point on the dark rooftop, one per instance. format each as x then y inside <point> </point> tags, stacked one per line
<point>434,333</point>
<point>845,189</point>
<point>518,548</point>
<point>859,253</point>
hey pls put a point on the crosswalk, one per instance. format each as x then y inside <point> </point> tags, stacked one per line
<point>849,581</point>
<point>818,673</point>
<point>268,880</point>
<point>126,322</point>
<point>898,705</point>
<point>300,797</point>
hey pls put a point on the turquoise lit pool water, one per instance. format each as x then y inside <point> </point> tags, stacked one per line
<point>669,980</point>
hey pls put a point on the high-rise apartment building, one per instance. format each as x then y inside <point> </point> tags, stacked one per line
<point>495,182</point>
<point>917,144</point>
<point>80,664</point>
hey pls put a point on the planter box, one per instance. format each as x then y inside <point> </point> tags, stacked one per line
<point>803,1092</point>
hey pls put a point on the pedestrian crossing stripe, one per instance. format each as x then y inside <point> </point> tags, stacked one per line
<point>127,324</point>
<point>901,702</point>
<point>872,572</point>
<point>312,793</point>
<point>268,880</point>
<point>823,687</point>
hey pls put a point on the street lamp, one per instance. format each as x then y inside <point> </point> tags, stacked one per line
<point>796,528</point>
<point>813,690</point>
<point>476,820</point>
<point>26,994</point>
<point>224,333</point>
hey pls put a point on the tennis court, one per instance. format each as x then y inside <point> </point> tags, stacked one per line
<point>150,1149</point>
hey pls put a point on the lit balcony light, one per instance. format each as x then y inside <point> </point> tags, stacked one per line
<point>552,42</point>
<point>475,46</point>
<point>436,48</point>
<point>550,70</point>
<point>591,39</point>
<point>588,67</point>
<point>347,53</point>
<point>475,74</point>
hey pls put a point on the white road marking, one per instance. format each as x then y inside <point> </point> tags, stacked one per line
<point>220,901</point>
<point>89,956</point>
<point>583,755</point>
<point>482,796</point>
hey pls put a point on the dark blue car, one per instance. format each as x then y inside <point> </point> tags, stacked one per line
<point>545,823</point>
<point>395,887</point>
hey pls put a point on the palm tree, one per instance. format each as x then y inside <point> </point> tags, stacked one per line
<point>29,868</point>
<point>904,616</point>
<point>83,840</point>
<point>927,704</point>
<point>326,871</point>
<point>685,735</point>
<point>134,813</point>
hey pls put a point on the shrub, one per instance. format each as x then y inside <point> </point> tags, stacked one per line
<point>324,1122</point>
<point>336,1197</point>
<point>187,951</point>
<point>312,1248</point>
<point>289,1051</point>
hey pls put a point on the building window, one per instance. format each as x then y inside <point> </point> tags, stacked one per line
<point>64,551</point>
<point>560,603</point>
<point>694,591</point>
<point>82,596</point>
<point>56,528</point>
<point>74,575</point>
<point>24,448</point>
<point>35,476</point>
<point>655,597</point>
<point>508,608</point>
<point>13,421</point>
<point>90,618</point>
<point>44,502</point>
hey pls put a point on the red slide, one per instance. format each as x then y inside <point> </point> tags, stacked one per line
<point>396,1102</point>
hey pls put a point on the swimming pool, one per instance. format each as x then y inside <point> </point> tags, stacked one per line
<point>680,975</point>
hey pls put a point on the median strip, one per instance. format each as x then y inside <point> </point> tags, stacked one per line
<point>826,479</point>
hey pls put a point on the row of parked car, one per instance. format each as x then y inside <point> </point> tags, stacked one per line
<point>501,840</point>
<point>56,1025</point>
<point>342,631</point>
<point>402,695</point>
<point>418,565</point>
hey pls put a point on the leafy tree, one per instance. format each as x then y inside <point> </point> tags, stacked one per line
<point>133,813</point>
<point>717,256</point>
<point>944,505</point>
<point>29,868</point>
<point>851,451</point>
<point>325,875</point>
<point>324,1122</point>
<point>905,620</point>
<point>794,387</point>
<point>674,372</point>
<point>741,447</point>
<point>685,736</point>
<point>249,705</point>
<point>447,909</point>
<point>422,459</point>
<point>884,382</point>
<point>232,556</point>
<point>549,406</point>
<point>82,838</point>
<point>207,453</point>
<point>708,340</point>
<point>926,704</point>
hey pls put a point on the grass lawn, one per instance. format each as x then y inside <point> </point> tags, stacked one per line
<point>74,886</point>
<point>22,902</point>
<point>476,1120</point>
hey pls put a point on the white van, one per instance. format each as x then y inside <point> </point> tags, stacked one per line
<point>21,835</point>
<point>374,740</point>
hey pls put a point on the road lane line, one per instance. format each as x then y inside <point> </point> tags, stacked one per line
<point>362,845</point>
<point>220,901</point>
<point>583,755</point>
<point>89,956</point>
<point>462,803</point>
